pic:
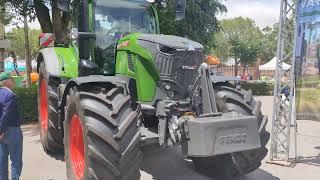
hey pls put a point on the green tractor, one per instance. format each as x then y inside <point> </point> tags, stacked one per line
<point>119,85</point>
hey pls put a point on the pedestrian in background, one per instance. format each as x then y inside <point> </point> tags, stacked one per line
<point>10,132</point>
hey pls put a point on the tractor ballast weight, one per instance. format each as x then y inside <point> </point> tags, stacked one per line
<point>118,85</point>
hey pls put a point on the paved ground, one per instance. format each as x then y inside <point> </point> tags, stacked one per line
<point>167,164</point>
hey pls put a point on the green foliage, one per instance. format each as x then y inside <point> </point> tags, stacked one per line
<point>28,101</point>
<point>269,43</point>
<point>242,31</point>
<point>19,8</point>
<point>5,17</point>
<point>259,89</point>
<point>18,39</point>
<point>200,22</point>
<point>239,38</point>
<point>246,51</point>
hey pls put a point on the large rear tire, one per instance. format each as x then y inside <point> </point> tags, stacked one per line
<point>50,135</point>
<point>236,164</point>
<point>101,134</point>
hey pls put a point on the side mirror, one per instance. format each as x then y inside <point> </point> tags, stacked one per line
<point>87,68</point>
<point>63,5</point>
<point>181,6</point>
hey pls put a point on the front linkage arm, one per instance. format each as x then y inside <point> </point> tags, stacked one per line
<point>208,96</point>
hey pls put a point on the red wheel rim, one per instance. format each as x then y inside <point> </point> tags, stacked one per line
<point>43,106</point>
<point>77,147</point>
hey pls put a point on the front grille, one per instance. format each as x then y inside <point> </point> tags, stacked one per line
<point>181,66</point>
<point>186,66</point>
<point>164,64</point>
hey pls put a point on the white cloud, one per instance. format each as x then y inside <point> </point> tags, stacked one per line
<point>264,12</point>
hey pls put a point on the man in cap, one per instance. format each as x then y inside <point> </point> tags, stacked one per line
<point>10,132</point>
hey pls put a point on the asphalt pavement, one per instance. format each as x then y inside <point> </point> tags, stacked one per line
<point>168,164</point>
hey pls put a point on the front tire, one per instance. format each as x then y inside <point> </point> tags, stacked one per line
<point>239,163</point>
<point>101,134</point>
<point>50,135</point>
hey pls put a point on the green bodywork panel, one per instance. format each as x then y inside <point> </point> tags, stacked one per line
<point>68,60</point>
<point>145,72</point>
<point>144,69</point>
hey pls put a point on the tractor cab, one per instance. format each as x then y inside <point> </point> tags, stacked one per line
<point>115,19</point>
<point>99,26</point>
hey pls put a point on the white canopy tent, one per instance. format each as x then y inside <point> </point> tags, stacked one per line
<point>271,65</point>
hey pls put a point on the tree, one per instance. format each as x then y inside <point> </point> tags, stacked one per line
<point>5,17</point>
<point>269,43</point>
<point>17,38</point>
<point>270,40</point>
<point>244,51</point>
<point>200,22</point>
<point>41,9</point>
<point>239,38</point>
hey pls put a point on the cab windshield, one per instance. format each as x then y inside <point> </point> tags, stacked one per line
<point>113,19</point>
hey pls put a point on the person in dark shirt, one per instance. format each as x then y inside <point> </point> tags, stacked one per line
<point>10,132</point>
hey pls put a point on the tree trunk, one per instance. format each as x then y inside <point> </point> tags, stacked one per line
<point>58,25</point>
<point>236,67</point>
<point>28,57</point>
<point>244,69</point>
<point>256,74</point>
<point>60,21</point>
<point>43,16</point>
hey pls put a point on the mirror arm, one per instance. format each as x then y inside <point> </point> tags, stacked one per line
<point>87,35</point>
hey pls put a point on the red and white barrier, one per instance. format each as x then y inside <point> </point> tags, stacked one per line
<point>46,40</point>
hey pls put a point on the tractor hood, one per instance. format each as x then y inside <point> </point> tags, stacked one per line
<point>174,42</point>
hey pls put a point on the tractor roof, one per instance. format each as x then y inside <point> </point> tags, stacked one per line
<point>134,4</point>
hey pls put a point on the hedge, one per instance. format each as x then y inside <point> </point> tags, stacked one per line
<point>259,88</point>
<point>28,100</point>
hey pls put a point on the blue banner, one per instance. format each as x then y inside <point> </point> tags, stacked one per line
<point>308,60</point>
<point>309,11</point>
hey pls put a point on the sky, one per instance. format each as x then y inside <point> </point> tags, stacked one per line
<point>264,12</point>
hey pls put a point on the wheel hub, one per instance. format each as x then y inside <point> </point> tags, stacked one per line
<point>43,106</point>
<point>77,147</point>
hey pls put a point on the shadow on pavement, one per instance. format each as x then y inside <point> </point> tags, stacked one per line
<point>171,165</point>
<point>317,147</point>
<point>311,160</point>
<point>258,174</point>
<point>57,156</point>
